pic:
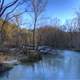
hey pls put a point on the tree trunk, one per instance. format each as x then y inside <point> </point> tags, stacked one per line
<point>34,34</point>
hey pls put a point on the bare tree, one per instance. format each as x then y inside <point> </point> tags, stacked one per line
<point>5,13</point>
<point>38,6</point>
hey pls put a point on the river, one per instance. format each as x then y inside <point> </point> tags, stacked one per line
<point>65,66</point>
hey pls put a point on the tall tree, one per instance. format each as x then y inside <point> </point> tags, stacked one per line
<point>38,6</point>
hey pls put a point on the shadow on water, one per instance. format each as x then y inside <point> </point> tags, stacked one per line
<point>4,75</point>
<point>65,66</point>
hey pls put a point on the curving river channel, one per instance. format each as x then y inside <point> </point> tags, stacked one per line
<point>65,66</point>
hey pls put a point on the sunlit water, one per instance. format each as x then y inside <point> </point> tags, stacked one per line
<point>65,66</point>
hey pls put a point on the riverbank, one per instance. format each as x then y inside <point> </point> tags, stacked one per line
<point>14,55</point>
<point>5,59</point>
<point>11,59</point>
<point>50,67</point>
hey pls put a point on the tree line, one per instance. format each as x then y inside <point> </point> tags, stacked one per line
<point>57,36</point>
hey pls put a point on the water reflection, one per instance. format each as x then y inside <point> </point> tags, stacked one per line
<point>61,67</point>
<point>4,75</point>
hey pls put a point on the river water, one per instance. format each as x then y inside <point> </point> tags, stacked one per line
<point>65,66</point>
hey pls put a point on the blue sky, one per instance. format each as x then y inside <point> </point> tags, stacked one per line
<point>62,9</point>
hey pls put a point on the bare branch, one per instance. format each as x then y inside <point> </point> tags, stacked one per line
<point>16,15</point>
<point>1,6</point>
<point>8,6</point>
